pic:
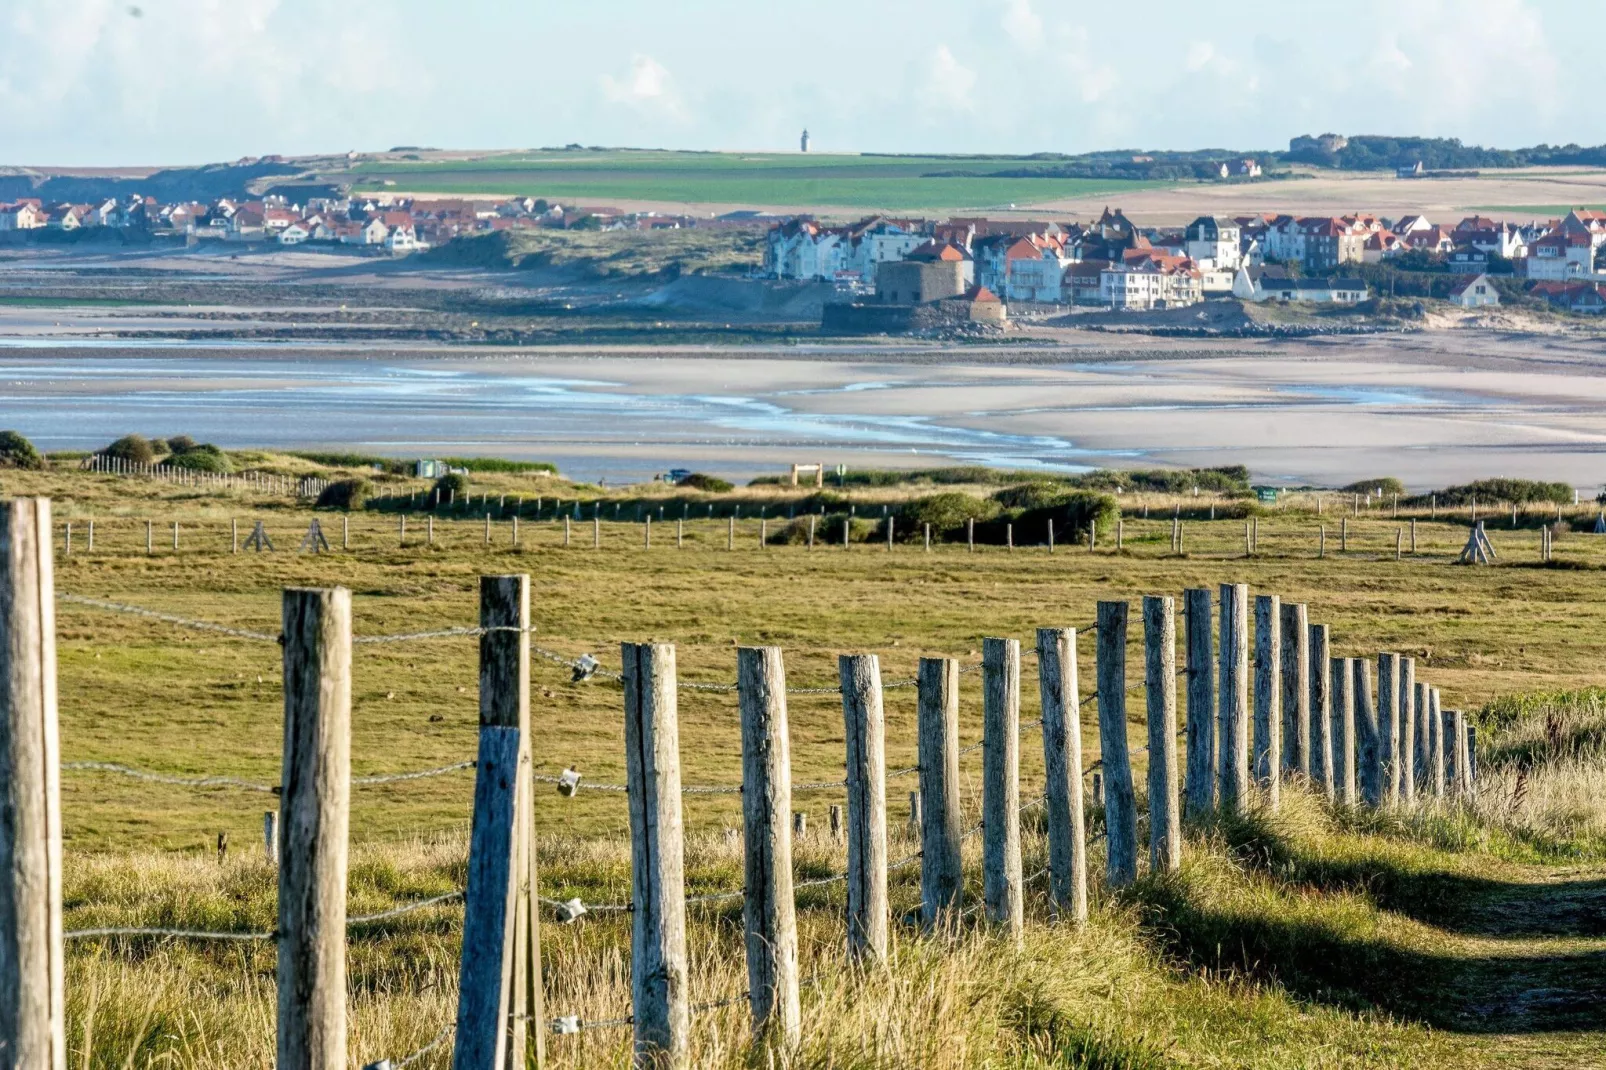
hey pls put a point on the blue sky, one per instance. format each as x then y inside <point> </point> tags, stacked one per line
<point>181,81</point>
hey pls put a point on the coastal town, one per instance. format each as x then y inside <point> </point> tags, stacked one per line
<point>988,264</point>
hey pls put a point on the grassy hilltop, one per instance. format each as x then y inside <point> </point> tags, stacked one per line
<point>1444,937</point>
<point>600,176</point>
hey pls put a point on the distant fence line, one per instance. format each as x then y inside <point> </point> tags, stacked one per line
<point>1294,712</point>
<point>80,536</point>
<point>261,482</point>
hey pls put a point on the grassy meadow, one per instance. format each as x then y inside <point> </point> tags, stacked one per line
<point>886,183</point>
<point>1443,936</point>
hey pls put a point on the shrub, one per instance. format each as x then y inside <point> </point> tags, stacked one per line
<point>500,464</point>
<point>1073,514</point>
<point>1517,491</point>
<point>1035,495</point>
<point>179,444</point>
<point>203,458</point>
<point>711,484</point>
<point>345,494</point>
<point>1387,486</point>
<point>1233,477</point>
<point>946,513</point>
<point>17,452</point>
<point>135,449</point>
<point>451,487</point>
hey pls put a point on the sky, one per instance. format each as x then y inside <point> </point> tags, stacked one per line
<point>98,82</point>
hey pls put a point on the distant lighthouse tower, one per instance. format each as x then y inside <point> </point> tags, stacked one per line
<point>803,142</point>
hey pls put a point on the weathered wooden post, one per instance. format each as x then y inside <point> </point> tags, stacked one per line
<point>149,546</point>
<point>1296,689</point>
<point>1321,713</point>
<point>566,532</point>
<point>1368,742</point>
<point>1200,784</point>
<point>1268,697</point>
<point>1233,696</point>
<point>175,536</point>
<point>646,532</point>
<point>270,836</point>
<point>315,802</point>
<point>1062,772</point>
<point>1405,744</point>
<point>658,981</point>
<point>596,531</point>
<point>941,873</point>
<point>1422,739</point>
<point>1413,535</point>
<point>769,913</point>
<point>1388,722</point>
<point>499,988</point>
<point>1120,805</point>
<point>1436,734</point>
<point>1002,882</point>
<point>970,534</point>
<point>1472,759</point>
<point>1341,732</point>
<point>800,825</point>
<point>1160,684</point>
<point>865,735</point>
<point>32,990</point>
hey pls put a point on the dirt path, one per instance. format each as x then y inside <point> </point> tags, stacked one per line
<point>1533,989</point>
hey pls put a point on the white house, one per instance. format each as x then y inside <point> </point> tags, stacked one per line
<point>1560,255</point>
<point>1214,243</point>
<point>23,215</point>
<point>403,239</point>
<point>1266,286</point>
<point>295,233</point>
<point>1475,292</point>
<point>1151,283</point>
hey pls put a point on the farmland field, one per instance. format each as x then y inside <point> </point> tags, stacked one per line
<point>1310,938</point>
<point>889,183</point>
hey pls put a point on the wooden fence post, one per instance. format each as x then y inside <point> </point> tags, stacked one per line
<point>596,532</point>
<point>315,804</point>
<point>1341,674</point>
<point>1000,794</point>
<point>865,735</point>
<point>1388,722</point>
<point>658,981</point>
<point>1120,806</point>
<point>1268,697</point>
<point>1321,713</point>
<point>1436,734</point>
<point>1296,690</point>
<point>499,986</point>
<point>1422,751</point>
<point>1368,743</point>
<point>1405,743</point>
<point>1200,783</point>
<point>1160,682</point>
<point>730,532</point>
<point>32,990</point>
<point>1233,696</point>
<point>1062,772</point>
<point>769,913</point>
<point>270,836</point>
<point>941,873</point>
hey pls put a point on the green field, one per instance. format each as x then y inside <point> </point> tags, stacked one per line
<point>1439,937</point>
<point>887,183</point>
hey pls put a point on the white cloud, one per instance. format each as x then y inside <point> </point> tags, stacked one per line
<point>649,87</point>
<point>1022,24</point>
<point>947,85</point>
<point>1200,53</point>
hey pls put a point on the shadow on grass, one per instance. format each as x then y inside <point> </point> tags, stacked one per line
<point>1336,957</point>
<point>1399,877</point>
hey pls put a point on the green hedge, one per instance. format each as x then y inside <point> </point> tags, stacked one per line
<point>1518,491</point>
<point>17,452</point>
<point>345,494</point>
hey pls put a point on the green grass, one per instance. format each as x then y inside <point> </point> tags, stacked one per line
<point>1445,938</point>
<point>888,183</point>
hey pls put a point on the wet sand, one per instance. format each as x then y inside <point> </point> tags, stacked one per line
<point>1432,408</point>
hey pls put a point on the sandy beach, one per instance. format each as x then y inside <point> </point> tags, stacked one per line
<point>1431,408</point>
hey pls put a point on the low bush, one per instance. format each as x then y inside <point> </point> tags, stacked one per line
<point>1234,477</point>
<point>347,494</point>
<point>1387,486</point>
<point>451,487</point>
<point>1516,491</point>
<point>136,449</point>
<point>178,443</point>
<point>708,483</point>
<point>202,458</point>
<point>500,464</point>
<point>17,452</point>
<point>947,513</point>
